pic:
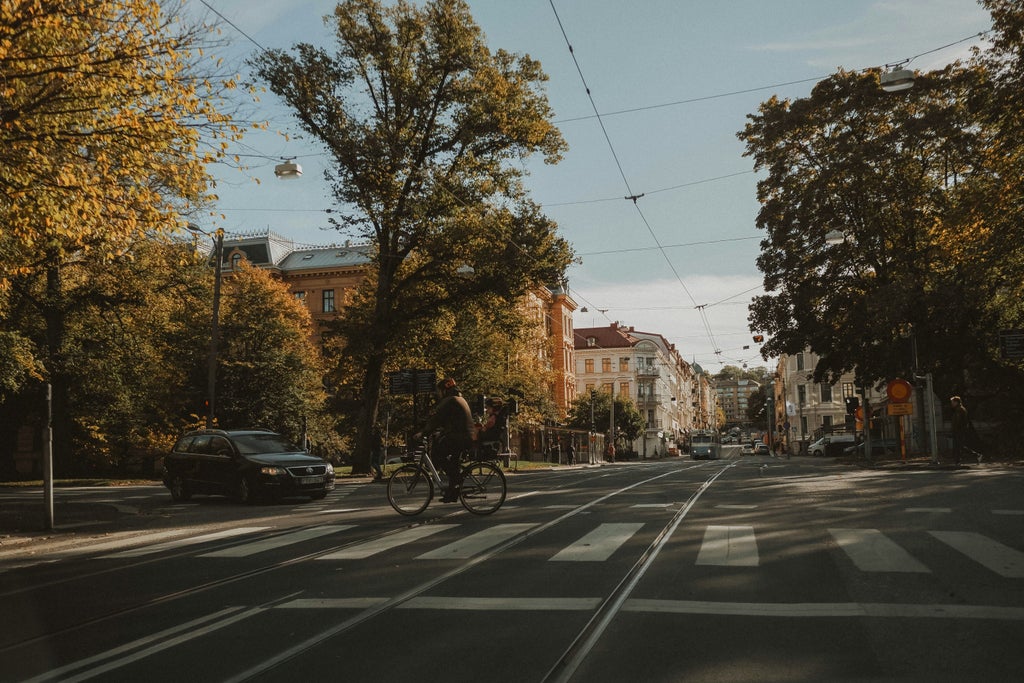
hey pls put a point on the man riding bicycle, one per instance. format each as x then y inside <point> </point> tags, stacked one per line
<point>453,421</point>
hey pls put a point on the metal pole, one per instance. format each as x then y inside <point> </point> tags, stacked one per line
<point>929,401</point>
<point>48,459</point>
<point>211,370</point>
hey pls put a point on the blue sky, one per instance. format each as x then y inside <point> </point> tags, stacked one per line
<point>673,81</point>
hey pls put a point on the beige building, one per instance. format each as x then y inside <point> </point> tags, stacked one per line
<point>734,398</point>
<point>673,396</point>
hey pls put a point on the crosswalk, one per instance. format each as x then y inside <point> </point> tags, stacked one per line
<point>724,546</point>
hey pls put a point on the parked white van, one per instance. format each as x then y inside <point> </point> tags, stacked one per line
<point>833,444</point>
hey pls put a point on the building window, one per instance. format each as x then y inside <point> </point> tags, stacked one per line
<point>236,258</point>
<point>826,422</point>
<point>606,365</point>
<point>328,301</point>
<point>848,390</point>
<point>801,393</point>
<point>301,296</point>
<point>624,389</point>
<point>799,361</point>
<point>826,393</point>
<point>623,365</point>
<point>588,365</point>
<point>591,342</point>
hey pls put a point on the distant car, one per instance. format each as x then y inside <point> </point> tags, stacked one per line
<point>762,449</point>
<point>247,465</point>
<point>833,444</point>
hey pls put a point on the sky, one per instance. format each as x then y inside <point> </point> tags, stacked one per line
<point>671,83</point>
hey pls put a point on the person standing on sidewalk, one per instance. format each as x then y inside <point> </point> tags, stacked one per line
<point>570,452</point>
<point>961,430</point>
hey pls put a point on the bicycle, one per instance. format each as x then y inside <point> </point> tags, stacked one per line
<point>482,487</point>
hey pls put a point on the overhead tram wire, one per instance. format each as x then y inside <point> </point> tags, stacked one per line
<point>632,196</point>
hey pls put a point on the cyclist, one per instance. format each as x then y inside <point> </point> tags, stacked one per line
<point>453,422</point>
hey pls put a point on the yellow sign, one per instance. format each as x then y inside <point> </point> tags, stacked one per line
<point>901,408</point>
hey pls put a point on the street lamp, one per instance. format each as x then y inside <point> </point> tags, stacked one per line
<point>288,170</point>
<point>896,80</point>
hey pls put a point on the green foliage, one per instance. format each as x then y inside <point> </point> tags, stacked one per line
<point>426,128</point>
<point>629,423</point>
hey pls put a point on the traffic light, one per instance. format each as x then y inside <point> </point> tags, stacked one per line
<point>758,338</point>
<point>852,403</point>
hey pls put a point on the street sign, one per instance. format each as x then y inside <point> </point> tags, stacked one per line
<point>901,408</point>
<point>899,391</point>
<point>412,381</point>
<point>1011,344</point>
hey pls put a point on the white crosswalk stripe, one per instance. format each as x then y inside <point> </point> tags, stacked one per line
<point>184,542</point>
<point>599,544</point>
<point>378,545</point>
<point>873,551</point>
<point>1001,559</point>
<point>465,548</point>
<point>281,541</point>
<point>729,546</point>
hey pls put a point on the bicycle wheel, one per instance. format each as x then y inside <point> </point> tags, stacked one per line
<point>483,488</point>
<point>410,490</point>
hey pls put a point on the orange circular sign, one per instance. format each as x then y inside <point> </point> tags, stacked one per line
<point>899,391</point>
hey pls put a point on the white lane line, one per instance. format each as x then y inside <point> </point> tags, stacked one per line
<point>800,610</point>
<point>825,609</point>
<point>729,546</point>
<point>247,549</point>
<point>378,545</point>
<point>598,545</point>
<point>476,543</point>
<point>873,551</point>
<point>1001,559</point>
<point>937,511</point>
<point>191,540</point>
<point>725,506</point>
<point>1014,513</point>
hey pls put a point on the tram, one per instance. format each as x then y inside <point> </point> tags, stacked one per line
<point>705,444</point>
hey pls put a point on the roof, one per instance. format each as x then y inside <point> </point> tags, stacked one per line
<point>327,257</point>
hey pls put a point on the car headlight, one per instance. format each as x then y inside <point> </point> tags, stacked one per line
<point>273,471</point>
<point>330,468</point>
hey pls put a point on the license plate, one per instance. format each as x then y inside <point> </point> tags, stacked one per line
<point>310,480</point>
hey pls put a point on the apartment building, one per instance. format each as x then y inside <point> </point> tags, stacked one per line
<point>673,396</point>
<point>734,398</point>
<point>323,277</point>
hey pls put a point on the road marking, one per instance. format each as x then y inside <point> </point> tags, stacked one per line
<point>1001,559</point>
<point>598,545</point>
<point>476,543</point>
<point>247,549</point>
<point>873,551</point>
<point>653,505</point>
<point>191,540</point>
<point>937,511</point>
<point>800,610</point>
<point>1008,512</point>
<point>729,546</point>
<point>378,545</point>
<point>834,508</point>
<point>825,609</point>
<point>736,507</point>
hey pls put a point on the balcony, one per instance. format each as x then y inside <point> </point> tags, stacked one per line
<point>647,371</point>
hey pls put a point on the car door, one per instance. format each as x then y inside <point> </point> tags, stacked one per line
<point>220,464</point>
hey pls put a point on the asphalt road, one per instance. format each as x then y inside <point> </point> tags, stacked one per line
<point>741,569</point>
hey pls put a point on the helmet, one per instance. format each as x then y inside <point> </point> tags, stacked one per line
<point>446,384</point>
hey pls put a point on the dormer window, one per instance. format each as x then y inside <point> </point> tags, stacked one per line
<point>236,258</point>
<point>591,342</point>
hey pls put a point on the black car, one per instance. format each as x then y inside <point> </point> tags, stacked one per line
<point>245,464</point>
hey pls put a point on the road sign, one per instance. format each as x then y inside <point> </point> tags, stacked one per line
<point>901,408</point>
<point>1011,344</point>
<point>899,391</point>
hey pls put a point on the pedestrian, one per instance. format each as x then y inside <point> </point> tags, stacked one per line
<point>570,452</point>
<point>609,452</point>
<point>376,449</point>
<point>962,430</point>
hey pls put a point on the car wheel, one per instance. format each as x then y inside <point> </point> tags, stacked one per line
<point>179,489</point>
<point>245,492</point>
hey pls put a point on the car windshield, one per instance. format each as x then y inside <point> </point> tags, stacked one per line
<point>254,444</point>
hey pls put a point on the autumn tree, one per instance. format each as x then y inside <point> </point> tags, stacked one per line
<point>889,175</point>
<point>629,423</point>
<point>106,126</point>
<point>426,129</point>
<point>270,373</point>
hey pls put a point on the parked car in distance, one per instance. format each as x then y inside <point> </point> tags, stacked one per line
<point>832,444</point>
<point>761,448</point>
<point>747,449</point>
<point>247,465</point>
